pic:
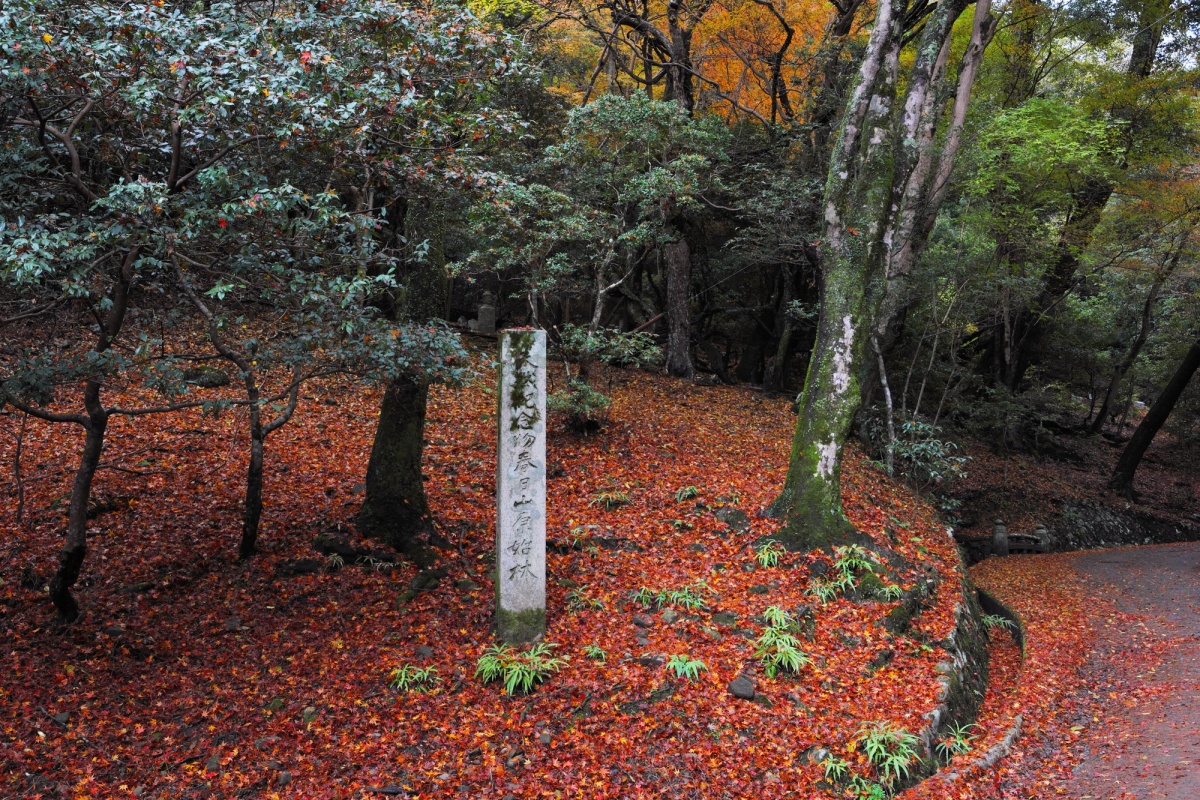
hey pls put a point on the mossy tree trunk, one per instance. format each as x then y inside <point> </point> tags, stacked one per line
<point>857,198</point>
<point>880,183</point>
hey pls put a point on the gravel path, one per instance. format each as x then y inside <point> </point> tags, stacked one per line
<point>1144,741</point>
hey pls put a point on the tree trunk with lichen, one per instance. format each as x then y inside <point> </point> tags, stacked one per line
<point>881,182</point>
<point>857,200</point>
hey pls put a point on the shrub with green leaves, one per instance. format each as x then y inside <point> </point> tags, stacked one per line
<point>610,499</point>
<point>686,493</point>
<point>768,553</point>
<point>778,650</point>
<point>892,750</point>
<point>993,621</point>
<point>408,678</point>
<point>519,671</point>
<point>595,652</point>
<point>578,600</point>
<point>956,742</point>
<point>685,667</point>
<point>584,407</point>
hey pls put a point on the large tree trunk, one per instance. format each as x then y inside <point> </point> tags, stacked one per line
<point>882,171</point>
<point>857,202</point>
<point>1122,478</point>
<point>679,337</point>
<point>395,509</point>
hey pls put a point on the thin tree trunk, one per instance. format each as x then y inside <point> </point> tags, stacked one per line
<point>75,547</point>
<point>679,336</point>
<point>1121,481</point>
<point>890,452</point>
<point>1135,349</point>
<point>252,510</point>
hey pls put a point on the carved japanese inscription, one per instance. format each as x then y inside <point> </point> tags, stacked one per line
<point>521,487</point>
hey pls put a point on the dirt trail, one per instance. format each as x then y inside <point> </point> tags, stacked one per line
<point>1144,741</point>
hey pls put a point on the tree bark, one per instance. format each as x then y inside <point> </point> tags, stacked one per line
<point>879,166</point>
<point>679,337</point>
<point>1135,349</point>
<point>857,201</point>
<point>75,548</point>
<point>1121,481</point>
<point>395,509</point>
<point>252,510</point>
<point>95,424</point>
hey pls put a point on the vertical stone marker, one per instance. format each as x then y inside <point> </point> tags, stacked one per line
<point>521,488</point>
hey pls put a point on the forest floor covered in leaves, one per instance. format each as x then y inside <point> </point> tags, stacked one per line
<point>192,674</point>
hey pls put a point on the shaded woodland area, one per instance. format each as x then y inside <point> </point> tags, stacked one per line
<point>894,234</point>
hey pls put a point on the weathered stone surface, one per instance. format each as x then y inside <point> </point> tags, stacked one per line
<point>727,618</point>
<point>486,321</point>
<point>206,377</point>
<point>742,687</point>
<point>521,488</point>
<point>1000,539</point>
<point>424,652</point>
<point>669,615</point>
<point>734,518</point>
<point>643,621</point>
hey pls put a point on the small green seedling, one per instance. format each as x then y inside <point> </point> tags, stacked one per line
<point>892,750</point>
<point>519,671</point>
<point>610,499</point>
<point>956,742</point>
<point>408,678</point>
<point>779,651</point>
<point>685,667</point>
<point>767,554</point>
<point>595,652</point>
<point>578,600</point>
<point>993,621</point>
<point>686,493</point>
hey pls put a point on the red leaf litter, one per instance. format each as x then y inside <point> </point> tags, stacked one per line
<point>194,675</point>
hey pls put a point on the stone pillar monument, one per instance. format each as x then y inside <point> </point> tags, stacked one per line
<point>1000,539</point>
<point>487,314</point>
<point>521,487</point>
